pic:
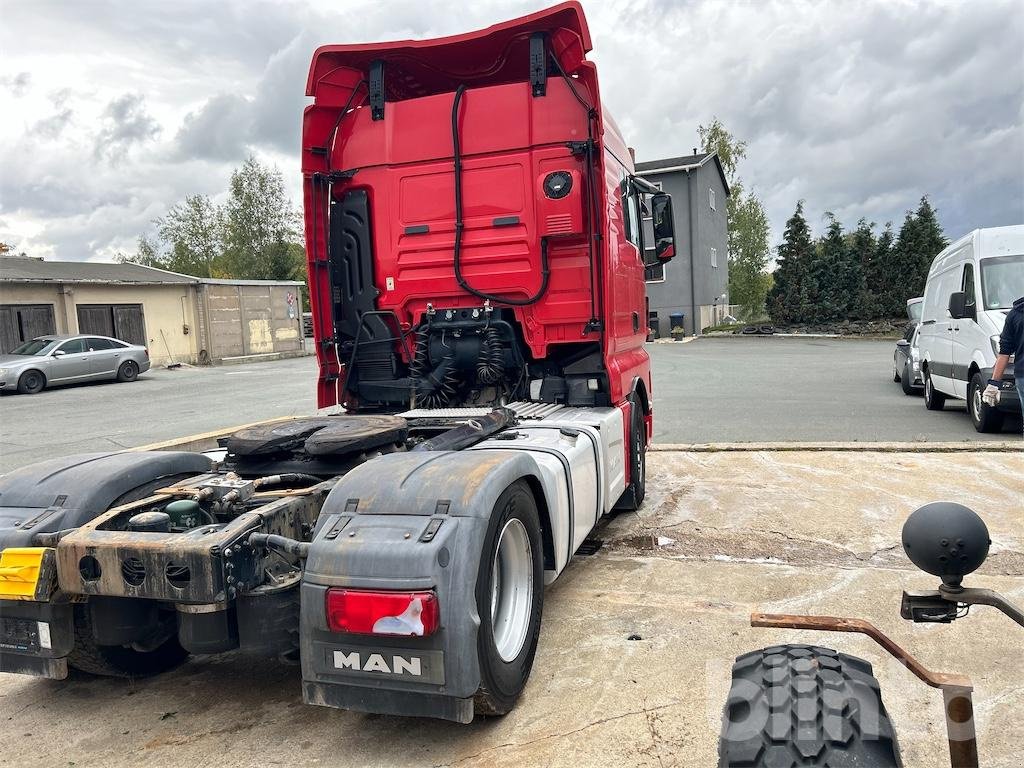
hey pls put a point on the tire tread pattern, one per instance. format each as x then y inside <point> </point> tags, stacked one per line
<point>804,705</point>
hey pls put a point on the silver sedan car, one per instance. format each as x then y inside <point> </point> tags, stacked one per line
<point>48,360</point>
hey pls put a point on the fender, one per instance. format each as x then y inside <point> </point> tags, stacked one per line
<point>405,521</point>
<point>66,493</point>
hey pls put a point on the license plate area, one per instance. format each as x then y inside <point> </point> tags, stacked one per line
<point>24,635</point>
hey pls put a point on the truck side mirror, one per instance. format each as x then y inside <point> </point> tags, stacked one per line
<point>958,308</point>
<point>664,227</point>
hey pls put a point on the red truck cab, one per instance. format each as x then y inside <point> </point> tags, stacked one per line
<point>473,226</point>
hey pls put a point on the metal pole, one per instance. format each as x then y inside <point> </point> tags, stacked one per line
<point>963,740</point>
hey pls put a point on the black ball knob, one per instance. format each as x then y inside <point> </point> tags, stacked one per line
<point>929,531</point>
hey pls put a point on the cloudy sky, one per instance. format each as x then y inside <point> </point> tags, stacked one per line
<point>110,112</point>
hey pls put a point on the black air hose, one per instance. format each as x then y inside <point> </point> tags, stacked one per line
<point>545,271</point>
<point>490,365</point>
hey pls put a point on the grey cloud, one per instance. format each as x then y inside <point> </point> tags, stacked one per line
<point>219,130</point>
<point>859,108</point>
<point>125,122</point>
<point>18,83</point>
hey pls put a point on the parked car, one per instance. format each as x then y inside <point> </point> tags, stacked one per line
<point>971,286</point>
<point>906,360</point>
<point>48,360</point>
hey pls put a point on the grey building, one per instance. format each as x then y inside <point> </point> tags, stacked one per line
<point>696,281</point>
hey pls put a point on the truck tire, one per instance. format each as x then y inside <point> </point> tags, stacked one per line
<point>509,599</point>
<point>933,399</point>
<point>129,371</point>
<point>802,705</point>
<point>164,653</point>
<point>907,380</point>
<point>984,418</point>
<point>31,382</point>
<point>635,492</point>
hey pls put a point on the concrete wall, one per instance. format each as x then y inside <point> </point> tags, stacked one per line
<point>240,320</point>
<point>167,309</point>
<point>709,230</point>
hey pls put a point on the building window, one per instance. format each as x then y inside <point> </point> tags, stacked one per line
<point>711,199</point>
<point>654,273</point>
<point>713,253</point>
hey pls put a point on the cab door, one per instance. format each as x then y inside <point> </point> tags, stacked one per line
<point>69,362</point>
<point>965,332</point>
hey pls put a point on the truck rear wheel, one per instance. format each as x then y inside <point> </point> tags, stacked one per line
<point>509,599</point>
<point>805,705</point>
<point>161,653</point>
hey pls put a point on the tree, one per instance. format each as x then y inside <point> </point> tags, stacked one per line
<point>748,257</point>
<point>253,236</point>
<point>829,272</point>
<point>863,249</point>
<point>730,150</point>
<point>905,270</point>
<point>789,300</point>
<point>259,223</point>
<point>746,220</point>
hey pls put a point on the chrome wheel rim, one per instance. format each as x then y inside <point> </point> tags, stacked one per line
<point>976,402</point>
<point>511,590</point>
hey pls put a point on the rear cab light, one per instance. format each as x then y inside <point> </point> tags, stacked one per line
<point>368,612</point>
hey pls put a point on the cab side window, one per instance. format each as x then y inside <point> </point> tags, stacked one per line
<point>967,286</point>
<point>73,347</point>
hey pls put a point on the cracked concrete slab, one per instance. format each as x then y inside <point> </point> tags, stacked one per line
<point>721,535</point>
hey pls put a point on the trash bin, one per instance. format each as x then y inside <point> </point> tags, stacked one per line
<point>653,326</point>
<point>675,324</point>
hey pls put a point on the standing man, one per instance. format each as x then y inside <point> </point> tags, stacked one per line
<point>1011,342</point>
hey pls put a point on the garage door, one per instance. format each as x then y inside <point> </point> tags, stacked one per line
<point>22,322</point>
<point>122,321</point>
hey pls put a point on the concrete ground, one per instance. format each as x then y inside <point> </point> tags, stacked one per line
<point>774,389</point>
<point>720,535</point>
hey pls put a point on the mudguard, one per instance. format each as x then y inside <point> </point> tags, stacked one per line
<point>53,495</point>
<point>405,521</point>
<point>64,493</point>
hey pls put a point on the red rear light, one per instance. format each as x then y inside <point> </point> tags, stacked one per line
<point>364,612</point>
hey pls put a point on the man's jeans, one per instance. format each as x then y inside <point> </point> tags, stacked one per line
<point>1020,393</point>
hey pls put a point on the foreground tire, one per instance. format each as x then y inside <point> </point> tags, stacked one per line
<point>635,492</point>
<point>984,418</point>
<point>161,654</point>
<point>129,371</point>
<point>509,599</point>
<point>800,705</point>
<point>895,370</point>
<point>907,380</point>
<point>31,382</point>
<point>933,399</point>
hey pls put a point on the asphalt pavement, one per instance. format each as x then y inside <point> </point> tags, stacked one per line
<point>782,389</point>
<point>710,390</point>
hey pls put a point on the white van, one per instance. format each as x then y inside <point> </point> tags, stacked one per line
<point>971,286</point>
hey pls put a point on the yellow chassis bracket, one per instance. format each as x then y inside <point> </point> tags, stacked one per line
<point>28,573</point>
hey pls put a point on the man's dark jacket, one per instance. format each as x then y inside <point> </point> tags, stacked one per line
<point>1011,340</point>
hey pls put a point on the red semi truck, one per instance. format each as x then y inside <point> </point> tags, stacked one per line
<point>475,238</point>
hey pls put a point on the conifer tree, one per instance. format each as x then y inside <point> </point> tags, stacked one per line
<point>789,300</point>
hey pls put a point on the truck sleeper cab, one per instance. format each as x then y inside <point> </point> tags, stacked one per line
<point>476,280</point>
